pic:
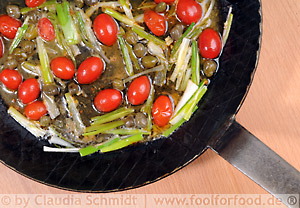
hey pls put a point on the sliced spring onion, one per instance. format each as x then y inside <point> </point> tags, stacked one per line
<point>45,65</point>
<point>112,4</point>
<point>97,129</point>
<point>127,132</point>
<point>195,63</point>
<point>170,130</point>
<point>126,56</point>
<point>122,143</point>
<point>188,93</point>
<point>51,106</point>
<point>182,70</point>
<point>68,27</point>
<point>82,30</point>
<point>146,5</point>
<point>208,11</point>
<point>92,149</point>
<point>29,9</point>
<point>188,108</point>
<point>120,17</point>
<point>27,124</point>
<point>148,36</point>
<point>53,149</point>
<point>185,80</point>
<point>134,59</point>
<point>179,42</point>
<point>148,107</point>
<point>148,71</point>
<point>182,53</point>
<point>227,27</point>
<point>195,33</point>
<point>117,114</point>
<point>156,50</point>
<point>19,36</point>
<point>126,7</point>
<point>80,127</point>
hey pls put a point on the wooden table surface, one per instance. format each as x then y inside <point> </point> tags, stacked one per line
<point>271,112</point>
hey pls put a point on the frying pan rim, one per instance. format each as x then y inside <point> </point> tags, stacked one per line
<point>230,120</point>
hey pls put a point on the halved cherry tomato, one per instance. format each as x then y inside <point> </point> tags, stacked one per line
<point>106,29</point>
<point>34,3</point>
<point>46,29</point>
<point>162,110</point>
<point>34,111</point>
<point>189,11</point>
<point>9,26</point>
<point>2,47</point>
<point>63,68</point>
<point>166,1</point>
<point>210,44</point>
<point>155,22</point>
<point>139,90</point>
<point>90,70</point>
<point>11,78</point>
<point>29,90</point>
<point>108,100</point>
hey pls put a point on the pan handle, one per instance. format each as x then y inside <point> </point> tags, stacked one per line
<point>256,160</point>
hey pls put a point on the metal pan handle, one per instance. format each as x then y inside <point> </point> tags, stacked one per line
<point>256,160</point>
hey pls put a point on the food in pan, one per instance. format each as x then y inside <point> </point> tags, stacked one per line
<point>93,76</point>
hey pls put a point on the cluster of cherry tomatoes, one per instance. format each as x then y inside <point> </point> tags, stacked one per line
<point>106,30</point>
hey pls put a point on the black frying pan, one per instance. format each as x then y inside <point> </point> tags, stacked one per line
<point>212,126</point>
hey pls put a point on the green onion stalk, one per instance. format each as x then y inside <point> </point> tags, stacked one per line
<point>68,27</point>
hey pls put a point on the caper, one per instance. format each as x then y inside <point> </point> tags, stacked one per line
<point>11,63</point>
<point>27,46</point>
<point>149,61</point>
<point>176,32</point>
<point>161,7</point>
<point>51,89</point>
<point>73,88</point>
<point>209,67</point>
<point>118,84</point>
<point>139,50</point>
<point>129,121</point>
<point>131,37</point>
<point>45,121</point>
<point>79,3</point>
<point>20,55</point>
<point>31,33</point>
<point>141,120</point>
<point>90,2</point>
<point>13,11</point>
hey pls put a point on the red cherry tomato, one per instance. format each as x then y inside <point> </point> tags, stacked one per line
<point>90,70</point>
<point>139,90</point>
<point>34,3</point>
<point>34,111</point>
<point>166,1</point>
<point>189,11</point>
<point>155,22</point>
<point>46,29</point>
<point>11,78</point>
<point>108,100</point>
<point>63,68</point>
<point>29,90</point>
<point>105,29</point>
<point>9,26</point>
<point>210,44</point>
<point>2,47</point>
<point>162,110</point>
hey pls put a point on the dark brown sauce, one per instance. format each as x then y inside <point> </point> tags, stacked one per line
<point>113,70</point>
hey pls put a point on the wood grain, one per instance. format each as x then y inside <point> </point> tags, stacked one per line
<point>271,112</point>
